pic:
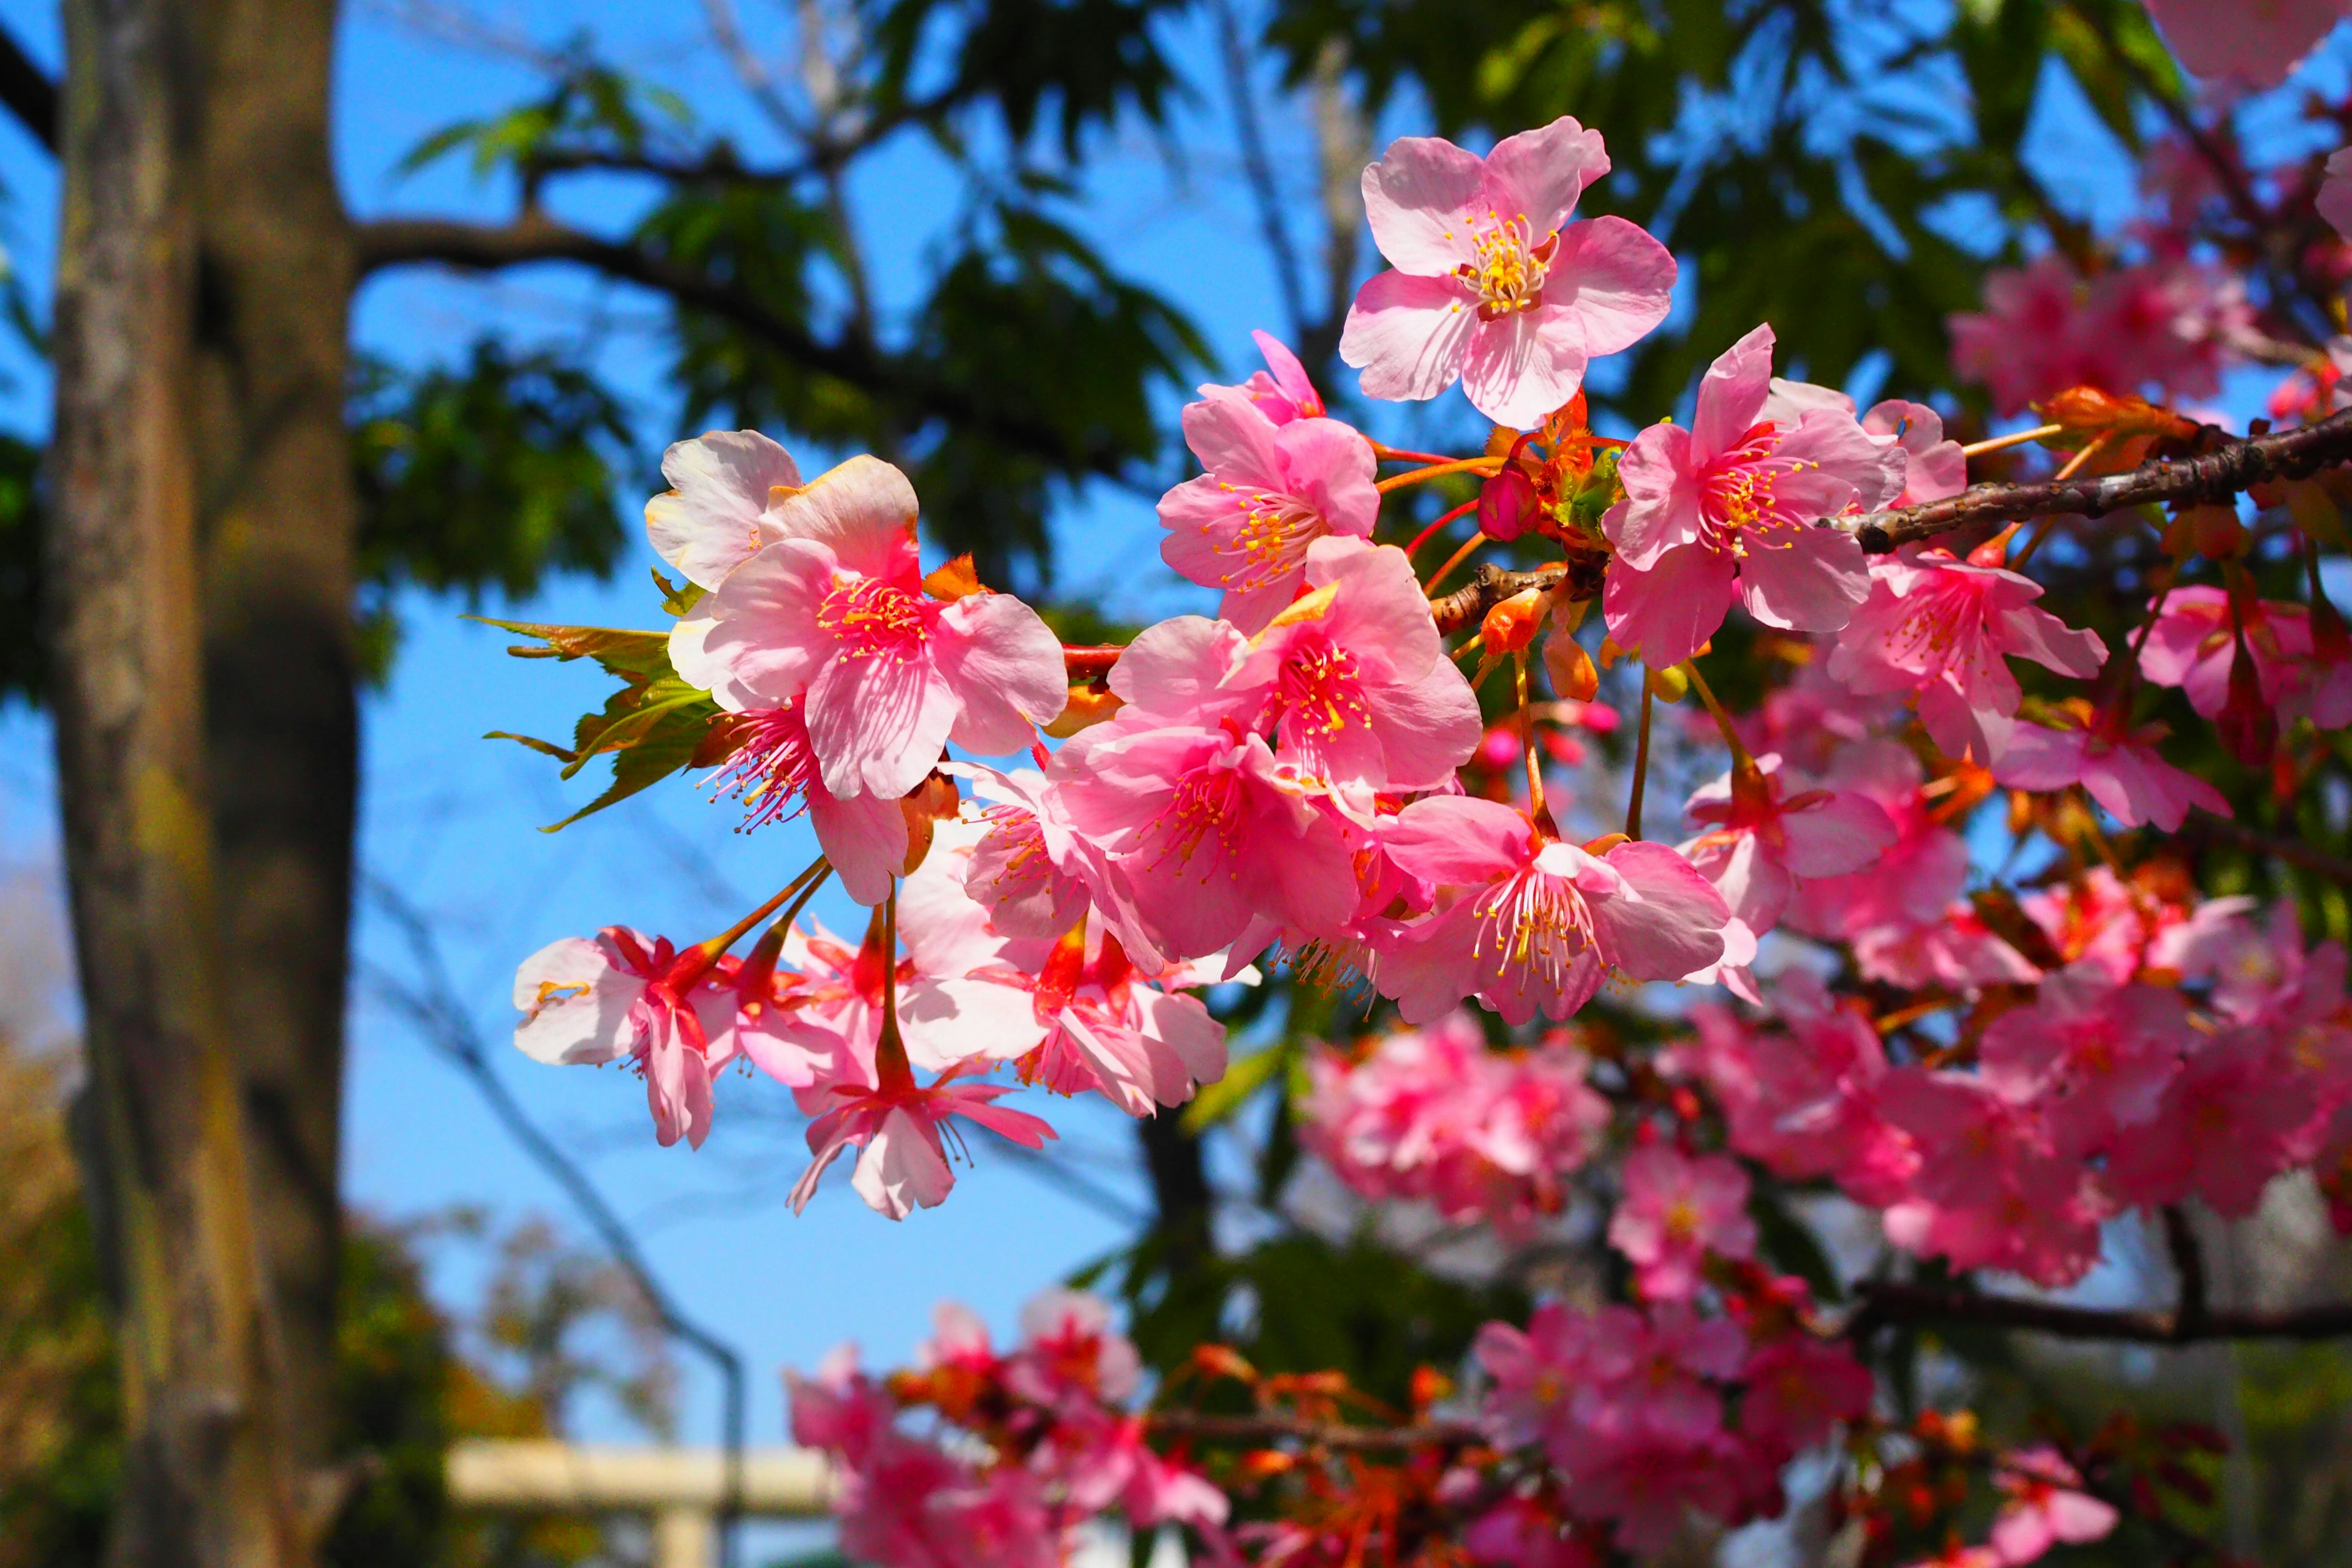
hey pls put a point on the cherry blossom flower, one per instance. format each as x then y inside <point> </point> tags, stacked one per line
<point>2124,928</point>
<point>1211,831</point>
<point>2093,1055</point>
<point>1762,834</point>
<point>2194,643</point>
<point>1269,492</point>
<point>1281,392</point>
<point>2045,1506</point>
<point>2227,1124</point>
<point>1795,1389</point>
<point>1942,629</point>
<point>1353,679</point>
<point>1933,466</point>
<point>2118,766</point>
<point>1537,923</point>
<point>2250,46</point>
<point>1727,509</point>
<point>2333,199</point>
<point>1989,1190</point>
<point>624,994</point>
<point>895,1126</point>
<point>833,614</point>
<point>1493,285</point>
<point>2044,328</point>
<point>717,514</point>
<point>1677,1211</point>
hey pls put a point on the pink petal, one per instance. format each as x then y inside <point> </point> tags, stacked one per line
<point>1173,670</point>
<point>950,1020</point>
<point>761,644</point>
<point>1288,373</point>
<point>1832,447</point>
<point>877,724</point>
<point>1731,395</point>
<point>1537,174</point>
<point>1029,1131</point>
<point>1006,668</point>
<point>1457,840</point>
<point>1516,370</point>
<point>1842,834</point>
<point>1332,467</point>
<point>1417,198</point>
<point>863,511</point>
<point>1661,507</point>
<point>2080,1517</point>
<point>1617,279</point>
<point>902,1166</point>
<point>864,837</point>
<point>1409,335</point>
<point>1809,579</point>
<point>1664,613</point>
<point>1234,442</point>
<point>2254,46</point>
<point>1668,921</point>
<point>1427,729</point>
<point>708,521</point>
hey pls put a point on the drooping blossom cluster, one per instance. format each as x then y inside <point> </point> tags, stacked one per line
<point>1924,881</point>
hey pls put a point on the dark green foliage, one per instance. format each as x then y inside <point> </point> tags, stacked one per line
<point>392,1378</point>
<point>486,476</point>
<point>20,569</point>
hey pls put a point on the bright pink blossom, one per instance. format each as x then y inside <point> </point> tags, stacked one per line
<point>774,771</point>
<point>2096,1056</point>
<point>2045,1506</point>
<point>716,513</point>
<point>624,994</point>
<point>2118,766</point>
<point>2124,927</point>
<point>1284,394</point>
<point>2166,321</point>
<point>2194,642</point>
<point>1933,466</point>
<point>1678,1211</point>
<point>1535,924</point>
<point>2228,1122</point>
<point>1269,492</point>
<point>1728,509</point>
<point>1942,629</point>
<point>1797,1389</point>
<point>1493,285</point>
<point>895,1126</point>
<point>1764,830</point>
<point>834,615</point>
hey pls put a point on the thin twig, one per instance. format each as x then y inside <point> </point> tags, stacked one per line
<point>2294,851</point>
<point>1890,1302</point>
<point>1264,1430</point>
<point>432,1006</point>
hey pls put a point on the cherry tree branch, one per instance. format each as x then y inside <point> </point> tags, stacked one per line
<point>2294,851</point>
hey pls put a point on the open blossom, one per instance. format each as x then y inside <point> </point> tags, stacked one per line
<point>1269,492</point>
<point>1942,629</point>
<point>1728,509</point>
<point>2096,1056</point>
<point>717,513</point>
<point>1211,831</point>
<point>1281,392</point>
<point>1989,1191</point>
<point>2166,321</point>
<point>2118,765</point>
<point>895,1125</point>
<point>1537,923</point>
<point>1761,834</point>
<point>1434,1114</point>
<point>1678,1210</point>
<point>2046,1505</point>
<point>1493,285</point>
<point>774,771</point>
<point>1933,466</point>
<point>624,994</point>
<point>834,615</point>
<point>2194,644</point>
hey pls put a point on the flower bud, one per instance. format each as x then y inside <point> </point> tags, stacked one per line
<point>1570,667</point>
<point>2248,726</point>
<point>1507,506</point>
<point>1511,626</point>
<point>1670,685</point>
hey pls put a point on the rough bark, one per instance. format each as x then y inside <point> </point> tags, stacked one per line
<point>277,533</point>
<point>205,1481</point>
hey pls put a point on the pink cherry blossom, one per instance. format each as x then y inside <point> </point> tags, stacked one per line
<point>2194,641</point>
<point>1284,394</point>
<point>2248,45</point>
<point>1537,923</point>
<point>2095,1055</point>
<point>2227,1124</point>
<point>834,615</point>
<point>2045,1506</point>
<point>1933,466</point>
<point>1210,830</point>
<point>1493,285</point>
<point>1914,879</point>
<point>1728,509</point>
<point>2124,928</point>
<point>619,995</point>
<point>840,1409</point>
<point>1765,831</point>
<point>2118,766</point>
<point>716,515</point>
<point>1679,1210</point>
<point>1989,1190</point>
<point>1353,680</point>
<point>1795,1391</point>
<point>1269,492</point>
<point>896,1127</point>
<point>1942,629</point>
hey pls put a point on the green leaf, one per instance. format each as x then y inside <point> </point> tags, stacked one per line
<point>623,652</point>
<point>1242,1079</point>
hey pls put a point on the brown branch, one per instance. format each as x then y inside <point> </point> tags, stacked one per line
<point>1467,607</point>
<point>534,236</point>
<point>1265,1429</point>
<point>2294,851</point>
<point>1887,1302</point>
<point>2231,469</point>
<point>26,91</point>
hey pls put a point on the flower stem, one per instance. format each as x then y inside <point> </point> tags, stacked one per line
<point>1536,809</point>
<point>695,960</point>
<point>1641,766</point>
<point>1386,454</point>
<point>891,1067</point>
<point>1426,534</point>
<point>2017,438</point>
<point>1469,547</point>
<point>1438,471</point>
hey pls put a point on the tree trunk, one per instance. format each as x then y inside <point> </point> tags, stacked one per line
<point>200,578</point>
<point>276,537</point>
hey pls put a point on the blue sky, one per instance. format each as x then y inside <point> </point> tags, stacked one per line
<point>451,819</point>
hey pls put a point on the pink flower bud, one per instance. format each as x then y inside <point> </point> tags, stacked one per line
<point>1506,505</point>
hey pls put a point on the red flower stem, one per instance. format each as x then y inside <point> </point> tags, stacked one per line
<point>1426,534</point>
<point>1469,547</point>
<point>1438,471</point>
<point>2019,438</point>
<point>1398,455</point>
<point>695,961</point>
<point>1740,756</point>
<point>1527,742</point>
<point>1641,766</point>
